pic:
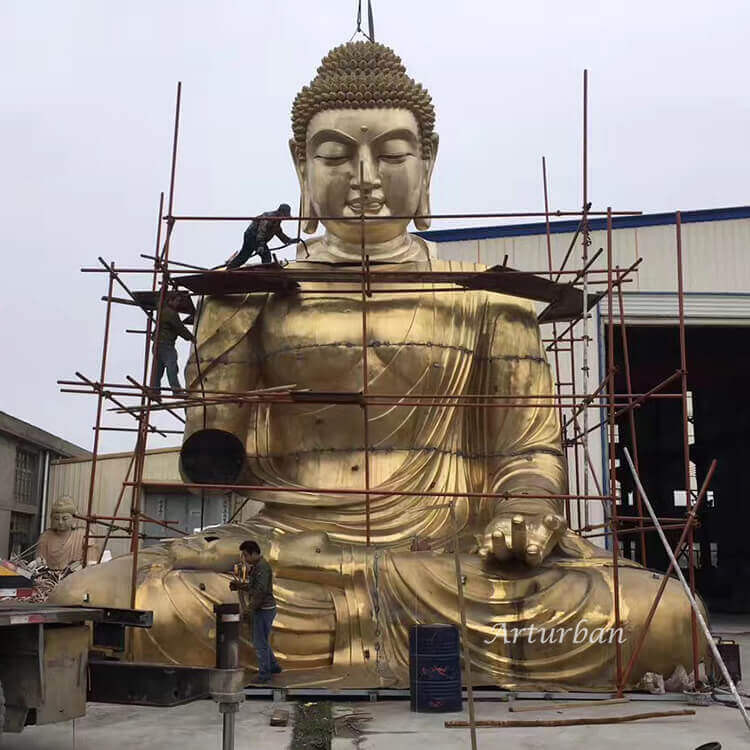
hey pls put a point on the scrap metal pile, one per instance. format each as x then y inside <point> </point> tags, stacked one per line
<point>31,581</point>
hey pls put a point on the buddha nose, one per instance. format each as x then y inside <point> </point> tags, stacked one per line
<point>367,177</point>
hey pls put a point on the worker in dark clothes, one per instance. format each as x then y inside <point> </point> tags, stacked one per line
<point>165,355</point>
<point>258,606</point>
<point>259,234</point>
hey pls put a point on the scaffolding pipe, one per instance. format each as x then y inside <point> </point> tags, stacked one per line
<point>495,215</point>
<point>585,312</point>
<point>97,426</point>
<point>689,592</point>
<point>631,415</point>
<point>464,628</point>
<point>612,461</point>
<point>685,432</point>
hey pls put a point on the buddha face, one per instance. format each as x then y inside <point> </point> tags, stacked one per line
<point>61,521</point>
<point>365,161</point>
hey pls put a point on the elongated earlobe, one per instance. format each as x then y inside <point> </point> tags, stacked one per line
<point>310,225</point>
<point>423,209</point>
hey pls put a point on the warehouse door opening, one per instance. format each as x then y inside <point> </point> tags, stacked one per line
<point>718,364</point>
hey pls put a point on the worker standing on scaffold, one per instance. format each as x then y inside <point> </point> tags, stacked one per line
<point>259,234</point>
<point>165,352</point>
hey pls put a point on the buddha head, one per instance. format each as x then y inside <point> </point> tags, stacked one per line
<point>364,144</point>
<point>61,519</point>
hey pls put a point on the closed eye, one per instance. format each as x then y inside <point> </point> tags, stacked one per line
<point>394,158</point>
<point>332,160</point>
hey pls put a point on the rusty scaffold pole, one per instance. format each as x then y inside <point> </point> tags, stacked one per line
<point>146,352</point>
<point>612,457</point>
<point>147,395</point>
<point>558,387</point>
<point>686,437</point>
<point>631,418</point>
<point>585,242</point>
<point>99,405</point>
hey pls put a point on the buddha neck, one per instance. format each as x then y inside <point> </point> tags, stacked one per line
<point>330,249</point>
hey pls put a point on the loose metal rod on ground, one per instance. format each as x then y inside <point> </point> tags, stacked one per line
<point>688,592</point>
<point>690,522</point>
<point>572,722</point>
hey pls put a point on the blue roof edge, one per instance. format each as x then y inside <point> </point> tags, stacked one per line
<point>595,224</point>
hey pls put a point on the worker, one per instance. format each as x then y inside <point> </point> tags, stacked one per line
<point>259,234</point>
<point>165,353</point>
<point>258,606</point>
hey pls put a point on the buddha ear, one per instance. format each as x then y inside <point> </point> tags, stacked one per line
<point>310,225</point>
<point>424,199</point>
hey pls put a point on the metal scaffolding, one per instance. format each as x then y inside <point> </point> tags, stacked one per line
<point>567,291</point>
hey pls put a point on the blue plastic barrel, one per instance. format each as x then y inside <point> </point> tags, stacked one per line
<point>435,668</point>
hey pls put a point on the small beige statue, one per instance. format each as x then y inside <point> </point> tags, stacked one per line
<point>62,544</point>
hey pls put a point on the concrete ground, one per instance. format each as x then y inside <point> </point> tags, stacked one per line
<point>197,726</point>
<point>394,727</point>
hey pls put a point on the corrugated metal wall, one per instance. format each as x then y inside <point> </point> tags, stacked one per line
<point>714,254</point>
<point>72,477</point>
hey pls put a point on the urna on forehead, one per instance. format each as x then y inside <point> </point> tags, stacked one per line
<point>362,76</point>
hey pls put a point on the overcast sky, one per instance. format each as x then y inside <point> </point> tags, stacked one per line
<point>87,96</point>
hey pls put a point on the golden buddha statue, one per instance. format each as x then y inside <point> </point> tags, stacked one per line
<point>363,142</point>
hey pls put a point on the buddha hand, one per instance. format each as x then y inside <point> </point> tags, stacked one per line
<point>528,537</point>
